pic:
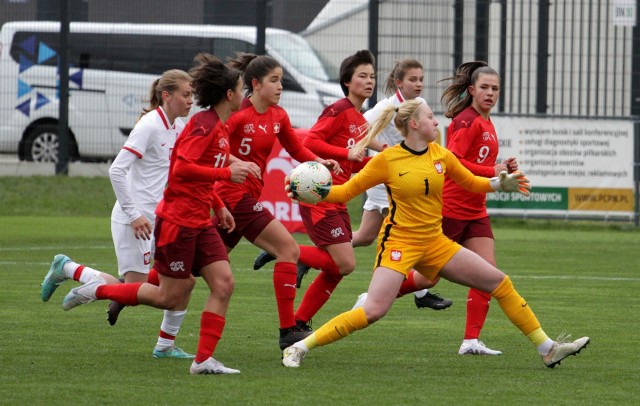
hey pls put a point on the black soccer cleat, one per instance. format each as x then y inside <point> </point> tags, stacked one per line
<point>433,301</point>
<point>113,311</point>
<point>302,271</point>
<point>290,336</point>
<point>262,259</point>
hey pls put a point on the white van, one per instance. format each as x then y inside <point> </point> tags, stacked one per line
<point>111,67</point>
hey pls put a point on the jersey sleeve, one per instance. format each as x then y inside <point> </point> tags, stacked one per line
<point>317,139</point>
<point>216,201</point>
<point>140,137</point>
<point>118,177</point>
<point>463,177</point>
<point>374,173</point>
<point>292,144</point>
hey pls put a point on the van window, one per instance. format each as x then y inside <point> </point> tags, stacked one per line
<point>299,53</point>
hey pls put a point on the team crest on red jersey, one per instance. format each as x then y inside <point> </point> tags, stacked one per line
<point>276,128</point>
<point>249,128</point>
<point>438,166</point>
<point>223,143</point>
<point>488,136</point>
<point>396,255</point>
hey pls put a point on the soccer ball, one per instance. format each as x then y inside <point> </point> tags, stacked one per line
<point>310,182</point>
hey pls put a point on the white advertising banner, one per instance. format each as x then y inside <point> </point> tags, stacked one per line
<point>576,167</point>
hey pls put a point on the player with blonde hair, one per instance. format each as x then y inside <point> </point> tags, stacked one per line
<point>414,172</point>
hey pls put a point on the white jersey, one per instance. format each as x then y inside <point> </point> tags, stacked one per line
<point>377,195</point>
<point>140,171</point>
<point>390,135</point>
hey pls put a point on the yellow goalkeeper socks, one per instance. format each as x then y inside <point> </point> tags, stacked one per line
<point>519,312</point>
<point>337,328</point>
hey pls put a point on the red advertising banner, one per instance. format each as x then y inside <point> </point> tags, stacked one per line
<point>273,197</point>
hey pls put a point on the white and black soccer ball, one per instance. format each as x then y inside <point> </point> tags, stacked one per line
<point>310,182</point>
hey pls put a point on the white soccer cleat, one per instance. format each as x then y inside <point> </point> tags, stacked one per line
<point>476,348</point>
<point>360,301</point>
<point>292,357</point>
<point>82,294</point>
<point>211,367</point>
<point>561,350</point>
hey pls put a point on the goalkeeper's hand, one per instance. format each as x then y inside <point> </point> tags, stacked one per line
<point>511,182</point>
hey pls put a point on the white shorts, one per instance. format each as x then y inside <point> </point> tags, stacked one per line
<point>133,254</point>
<point>377,199</point>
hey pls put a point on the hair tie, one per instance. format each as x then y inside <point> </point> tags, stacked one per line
<point>463,95</point>
<point>397,108</point>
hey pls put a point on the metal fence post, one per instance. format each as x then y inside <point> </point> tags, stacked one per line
<point>482,30</point>
<point>374,20</point>
<point>543,57</point>
<point>62,166</point>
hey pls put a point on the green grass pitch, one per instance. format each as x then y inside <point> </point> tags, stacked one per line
<point>582,280</point>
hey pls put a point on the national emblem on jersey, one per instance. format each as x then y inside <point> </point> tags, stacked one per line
<point>352,128</point>
<point>276,128</point>
<point>147,258</point>
<point>438,166</point>
<point>249,129</point>
<point>223,143</point>
<point>395,255</point>
<point>488,136</point>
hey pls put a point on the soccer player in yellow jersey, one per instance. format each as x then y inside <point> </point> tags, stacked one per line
<point>413,173</point>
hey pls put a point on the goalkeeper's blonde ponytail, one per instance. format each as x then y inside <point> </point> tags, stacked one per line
<point>400,116</point>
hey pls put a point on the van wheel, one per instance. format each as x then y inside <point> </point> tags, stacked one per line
<point>42,143</point>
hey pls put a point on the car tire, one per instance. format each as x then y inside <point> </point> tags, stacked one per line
<point>41,144</point>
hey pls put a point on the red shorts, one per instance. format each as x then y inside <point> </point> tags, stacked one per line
<point>183,251</point>
<point>326,227</point>
<point>462,230</point>
<point>250,217</point>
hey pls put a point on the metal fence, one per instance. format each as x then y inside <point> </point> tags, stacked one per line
<point>572,58</point>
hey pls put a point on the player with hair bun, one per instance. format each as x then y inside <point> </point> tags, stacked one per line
<point>138,176</point>
<point>188,243</point>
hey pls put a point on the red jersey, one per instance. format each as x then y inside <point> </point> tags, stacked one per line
<point>198,159</point>
<point>338,129</point>
<point>252,136</point>
<point>473,140</point>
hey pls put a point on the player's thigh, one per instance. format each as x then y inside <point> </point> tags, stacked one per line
<point>469,269</point>
<point>278,241</point>
<point>483,246</point>
<point>343,255</point>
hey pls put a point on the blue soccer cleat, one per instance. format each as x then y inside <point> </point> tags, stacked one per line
<point>54,277</point>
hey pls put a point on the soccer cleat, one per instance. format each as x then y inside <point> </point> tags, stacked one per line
<point>360,301</point>
<point>54,277</point>
<point>172,352</point>
<point>83,294</point>
<point>211,367</point>
<point>561,350</point>
<point>476,348</point>
<point>302,271</point>
<point>262,259</point>
<point>292,357</point>
<point>304,327</point>
<point>113,311</point>
<point>433,301</point>
<point>290,336</point>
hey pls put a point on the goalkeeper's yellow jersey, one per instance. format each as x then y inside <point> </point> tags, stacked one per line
<point>414,182</point>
